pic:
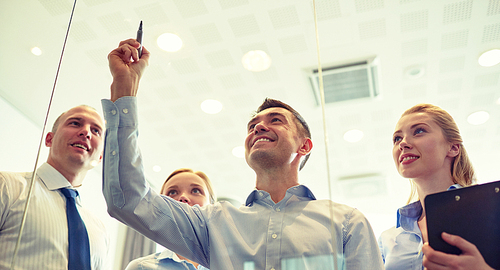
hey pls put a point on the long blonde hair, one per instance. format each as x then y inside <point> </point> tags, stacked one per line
<point>462,172</point>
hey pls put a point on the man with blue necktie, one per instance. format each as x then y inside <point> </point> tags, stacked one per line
<point>58,233</point>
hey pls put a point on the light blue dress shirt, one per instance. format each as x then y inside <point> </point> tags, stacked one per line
<point>299,232</point>
<point>165,260</point>
<point>401,246</point>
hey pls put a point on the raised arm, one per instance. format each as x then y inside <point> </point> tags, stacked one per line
<point>126,68</point>
<point>129,198</point>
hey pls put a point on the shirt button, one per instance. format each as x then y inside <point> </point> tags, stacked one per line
<point>277,209</point>
<point>261,194</point>
<point>113,112</point>
<point>113,153</point>
<point>125,110</point>
<point>274,236</point>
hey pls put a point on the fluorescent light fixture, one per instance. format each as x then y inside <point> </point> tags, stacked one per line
<point>353,135</point>
<point>169,42</point>
<point>211,106</point>
<point>36,51</point>
<point>489,58</point>
<point>256,61</point>
<point>239,151</point>
<point>478,118</point>
<point>156,168</point>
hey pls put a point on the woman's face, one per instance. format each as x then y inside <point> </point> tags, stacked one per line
<point>420,150</point>
<point>188,188</point>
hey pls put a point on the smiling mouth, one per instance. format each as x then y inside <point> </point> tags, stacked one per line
<point>408,158</point>
<point>262,140</point>
<point>80,146</point>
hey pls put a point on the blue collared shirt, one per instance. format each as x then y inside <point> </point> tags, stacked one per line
<point>299,232</point>
<point>401,246</point>
<point>165,260</point>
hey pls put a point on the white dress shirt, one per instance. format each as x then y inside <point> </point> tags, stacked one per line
<point>44,242</point>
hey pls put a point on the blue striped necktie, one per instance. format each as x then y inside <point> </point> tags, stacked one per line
<point>78,239</point>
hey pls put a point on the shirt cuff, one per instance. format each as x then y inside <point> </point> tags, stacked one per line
<point>121,113</point>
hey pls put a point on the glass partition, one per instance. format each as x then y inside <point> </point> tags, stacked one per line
<point>377,59</point>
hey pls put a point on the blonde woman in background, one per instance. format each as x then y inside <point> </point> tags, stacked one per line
<point>428,149</point>
<point>187,186</point>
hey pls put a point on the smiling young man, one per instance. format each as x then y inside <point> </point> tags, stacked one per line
<point>76,145</point>
<point>277,146</point>
<point>281,225</point>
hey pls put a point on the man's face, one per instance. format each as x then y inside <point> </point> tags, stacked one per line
<point>272,139</point>
<point>78,141</point>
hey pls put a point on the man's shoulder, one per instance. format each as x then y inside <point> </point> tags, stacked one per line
<point>13,185</point>
<point>14,178</point>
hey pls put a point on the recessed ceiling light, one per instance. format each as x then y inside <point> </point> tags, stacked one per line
<point>211,106</point>
<point>414,72</point>
<point>353,135</point>
<point>156,168</point>
<point>489,58</point>
<point>36,51</point>
<point>478,118</point>
<point>256,61</point>
<point>498,101</point>
<point>239,151</point>
<point>169,42</point>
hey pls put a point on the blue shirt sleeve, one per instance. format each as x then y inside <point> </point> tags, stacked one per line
<point>174,225</point>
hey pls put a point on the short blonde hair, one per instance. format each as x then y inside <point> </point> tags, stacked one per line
<point>462,171</point>
<point>208,183</point>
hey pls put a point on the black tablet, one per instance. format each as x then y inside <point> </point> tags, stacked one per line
<point>472,213</point>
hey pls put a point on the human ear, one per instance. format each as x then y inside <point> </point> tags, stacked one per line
<point>48,139</point>
<point>454,150</point>
<point>306,147</point>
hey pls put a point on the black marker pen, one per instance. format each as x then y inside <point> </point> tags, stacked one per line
<point>139,38</point>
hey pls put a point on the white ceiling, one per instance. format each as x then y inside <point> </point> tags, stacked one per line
<point>444,37</point>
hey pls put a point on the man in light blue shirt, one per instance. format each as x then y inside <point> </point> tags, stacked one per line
<point>281,226</point>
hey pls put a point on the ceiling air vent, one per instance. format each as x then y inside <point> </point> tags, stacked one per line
<point>352,81</point>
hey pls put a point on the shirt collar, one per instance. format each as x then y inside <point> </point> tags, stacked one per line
<point>410,211</point>
<point>52,178</point>
<point>455,186</point>
<point>413,210</point>
<point>168,254</point>
<point>299,191</point>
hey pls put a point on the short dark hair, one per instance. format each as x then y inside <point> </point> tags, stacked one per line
<point>299,120</point>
